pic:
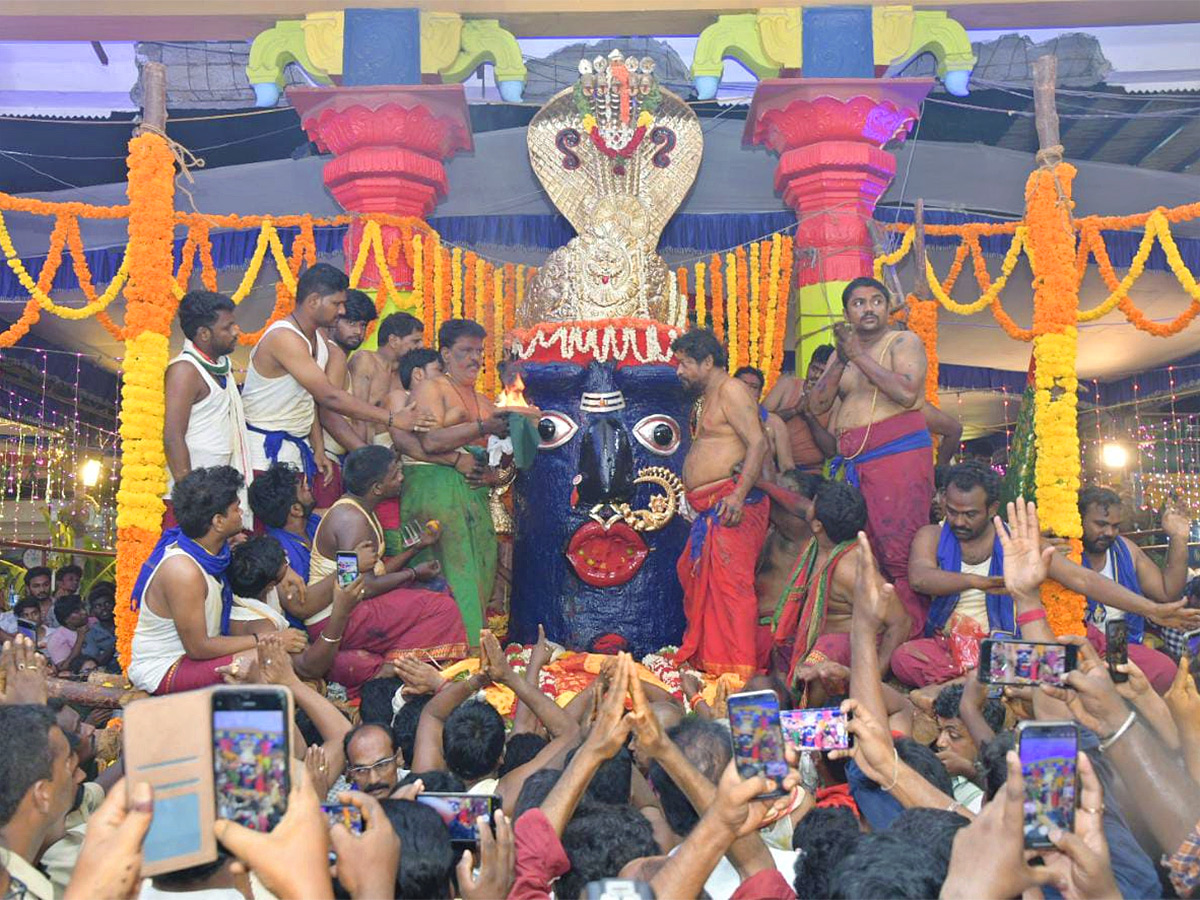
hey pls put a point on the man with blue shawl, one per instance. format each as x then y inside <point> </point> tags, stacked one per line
<point>182,593</point>
<point>960,564</point>
<point>1119,559</point>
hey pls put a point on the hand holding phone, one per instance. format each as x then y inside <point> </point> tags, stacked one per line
<point>461,814</point>
<point>1116,648</point>
<point>1025,662</point>
<point>1048,752</point>
<point>347,568</point>
<point>251,740</point>
<point>757,737</point>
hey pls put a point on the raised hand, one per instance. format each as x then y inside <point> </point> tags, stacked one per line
<point>418,677</point>
<point>1091,696</point>
<point>988,856</point>
<point>349,596</point>
<point>292,859</point>
<point>737,806</point>
<point>871,595</point>
<point>611,727</point>
<point>367,863</point>
<point>651,740</point>
<point>110,860</point>
<point>541,653</point>
<point>497,863</point>
<point>873,749</point>
<point>1183,700</point>
<point>1175,522</point>
<point>1081,865</point>
<point>1026,564</point>
<point>721,700</point>
<point>274,663</point>
<point>317,764</point>
<point>24,671</point>
<point>492,658</point>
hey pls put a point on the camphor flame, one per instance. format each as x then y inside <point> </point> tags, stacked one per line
<point>513,393</point>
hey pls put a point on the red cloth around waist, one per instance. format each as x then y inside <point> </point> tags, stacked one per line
<point>852,439</point>
<point>705,498</point>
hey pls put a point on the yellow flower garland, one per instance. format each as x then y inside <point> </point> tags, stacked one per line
<point>771,364</point>
<point>456,283</point>
<point>755,290</point>
<point>985,300</point>
<point>701,311</point>
<point>418,277</point>
<point>732,325</point>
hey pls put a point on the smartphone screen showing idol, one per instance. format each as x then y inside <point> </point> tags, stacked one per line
<point>250,732</point>
<point>1025,662</point>
<point>1048,751</point>
<point>757,737</point>
<point>347,568</point>
<point>816,729</point>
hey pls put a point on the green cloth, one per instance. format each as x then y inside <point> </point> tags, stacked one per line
<point>525,440</point>
<point>468,547</point>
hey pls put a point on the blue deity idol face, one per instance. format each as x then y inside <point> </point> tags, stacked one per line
<point>579,567</point>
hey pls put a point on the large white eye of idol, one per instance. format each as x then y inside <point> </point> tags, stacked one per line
<point>658,433</point>
<point>555,429</point>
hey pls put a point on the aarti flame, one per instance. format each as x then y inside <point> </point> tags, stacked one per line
<point>513,393</point>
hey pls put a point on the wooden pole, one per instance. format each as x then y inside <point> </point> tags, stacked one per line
<point>1045,80</point>
<point>921,289</point>
<point>154,97</point>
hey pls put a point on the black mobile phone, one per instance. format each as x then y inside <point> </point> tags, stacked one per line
<point>1048,751</point>
<point>1116,651</point>
<point>757,737</point>
<point>462,812</point>
<point>347,568</point>
<point>1025,662</point>
<point>822,729</point>
<point>251,735</point>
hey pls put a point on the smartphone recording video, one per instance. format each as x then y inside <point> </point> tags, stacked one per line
<point>757,736</point>
<point>816,729</point>
<point>461,813</point>
<point>343,814</point>
<point>347,569</point>
<point>1048,751</point>
<point>1025,662</point>
<point>1116,649</point>
<point>251,731</point>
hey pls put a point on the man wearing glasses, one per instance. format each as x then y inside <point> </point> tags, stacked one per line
<point>371,760</point>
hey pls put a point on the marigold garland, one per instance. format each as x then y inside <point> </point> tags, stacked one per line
<point>771,367</point>
<point>418,270</point>
<point>486,278</point>
<point>787,258</point>
<point>766,339</point>
<point>507,299</point>
<point>449,283</point>
<point>743,306</point>
<point>754,273</point>
<point>469,286</point>
<point>518,299</point>
<point>1055,311</point>
<point>304,252</point>
<point>701,311</point>
<point>150,307</point>
<point>717,304</point>
<point>495,323</point>
<point>434,280</point>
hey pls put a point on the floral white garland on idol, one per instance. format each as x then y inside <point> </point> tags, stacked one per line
<point>599,341</point>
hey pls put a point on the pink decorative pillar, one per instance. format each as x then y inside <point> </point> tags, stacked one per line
<point>389,145</point>
<point>830,134</point>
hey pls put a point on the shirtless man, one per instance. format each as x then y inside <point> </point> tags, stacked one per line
<point>814,617</point>
<point>779,456</point>
<point>286,379</point>
<point>448,483</point>
<point>340,435</point>
<point>874,386</point>
<point>787,536</point>
<point>415,367</point>
<point>374,373</point>
<point>717,565</point>
<point>204,425</point>
<point>789,399</point>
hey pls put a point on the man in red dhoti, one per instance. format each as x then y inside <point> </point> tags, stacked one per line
<point>717,565</point>
<point>875,387</point>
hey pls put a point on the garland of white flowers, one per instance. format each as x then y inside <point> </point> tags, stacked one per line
<point>599,342</point>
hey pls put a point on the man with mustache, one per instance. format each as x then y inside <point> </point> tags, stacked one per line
<point>445,481</point>
<point>960,564</point>
<point>874,389</point>
<point>1117,558</point>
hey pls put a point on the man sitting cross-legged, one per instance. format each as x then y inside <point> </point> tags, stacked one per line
<point>813,616</point>
<point>960,564</point>
<point>394,615</point>
<point>182,634</point>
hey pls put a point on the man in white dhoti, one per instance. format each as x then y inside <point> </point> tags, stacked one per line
<point>204,424</point>
<point>286,380</point>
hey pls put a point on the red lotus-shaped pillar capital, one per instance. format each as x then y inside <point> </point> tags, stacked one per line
<point>830,134</point>
<point>389,145</point>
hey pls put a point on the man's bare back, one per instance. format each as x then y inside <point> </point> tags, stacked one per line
<point>717,449</point>
<point>775,565</point>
